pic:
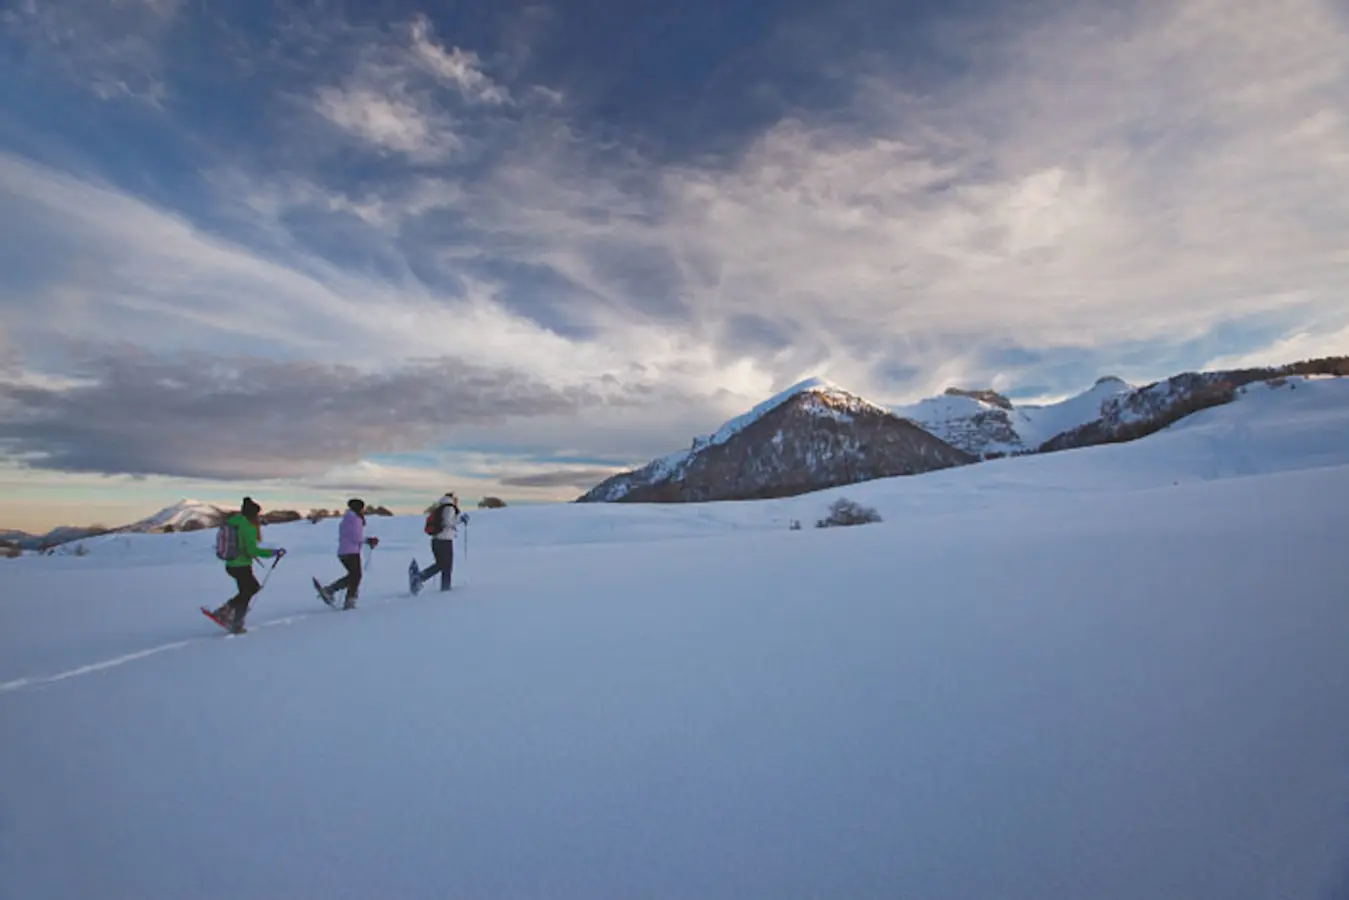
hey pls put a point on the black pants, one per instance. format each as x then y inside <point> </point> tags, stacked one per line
<point>443,551</point>
<point>248,586</point>
<point>352,580</point>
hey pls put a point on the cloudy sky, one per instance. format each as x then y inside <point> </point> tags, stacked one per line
<point>308,249</point>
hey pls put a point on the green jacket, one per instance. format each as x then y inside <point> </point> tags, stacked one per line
<point>248,543</point>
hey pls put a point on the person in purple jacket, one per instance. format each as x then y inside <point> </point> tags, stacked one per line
<point>350,537</point>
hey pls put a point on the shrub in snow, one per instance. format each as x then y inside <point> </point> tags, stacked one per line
<point>848,512</point>
<point>796,525</point>
<point>491,503</point>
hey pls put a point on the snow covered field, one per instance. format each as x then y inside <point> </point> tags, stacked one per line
<point>1120,672</point>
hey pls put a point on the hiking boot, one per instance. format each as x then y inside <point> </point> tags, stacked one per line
<point>234,617</point>
<point>350,603</point>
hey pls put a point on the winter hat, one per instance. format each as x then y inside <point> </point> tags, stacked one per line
<point>355,504</point>
<point>250,508</point>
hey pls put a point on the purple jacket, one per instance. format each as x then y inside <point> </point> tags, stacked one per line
<point>350,534</point>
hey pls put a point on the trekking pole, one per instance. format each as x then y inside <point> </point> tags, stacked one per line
<point>270,570</point>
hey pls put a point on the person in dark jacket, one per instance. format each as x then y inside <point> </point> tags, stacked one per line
<point>443,525</point>
<point>246,523</point>
<point>350,537</point>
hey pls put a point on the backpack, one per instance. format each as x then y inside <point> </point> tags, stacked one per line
<point>226,542</point>
<point>433,520</point>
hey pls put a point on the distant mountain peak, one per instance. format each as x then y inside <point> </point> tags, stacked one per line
<point>810,436</point>
<point>185,515</point>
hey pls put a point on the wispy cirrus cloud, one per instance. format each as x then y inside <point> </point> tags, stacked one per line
<point>389,122</point>
<point>458,68</point>
<point>409,94</point>
<point>1106,177</point>
<point>112,50</point>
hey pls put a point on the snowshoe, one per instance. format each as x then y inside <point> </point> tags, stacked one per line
<point>214,616</point>
<point>324,594</point>
<point>225,619</point>
<point>414,578</point>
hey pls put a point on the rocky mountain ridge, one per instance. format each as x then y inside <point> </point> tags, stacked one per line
<point>815,434</point>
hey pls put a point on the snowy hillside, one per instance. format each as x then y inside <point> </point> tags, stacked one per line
<point>1113,672</point>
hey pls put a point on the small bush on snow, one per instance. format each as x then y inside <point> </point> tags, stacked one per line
<point>848,512</point>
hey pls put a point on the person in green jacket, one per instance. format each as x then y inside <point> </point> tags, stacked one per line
<point>233,612</point>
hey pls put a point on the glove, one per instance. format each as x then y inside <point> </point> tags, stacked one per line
<point>280,552</point>
<point>372,542</point>
<point>463,517</point>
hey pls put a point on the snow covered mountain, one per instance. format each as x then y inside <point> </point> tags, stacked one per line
<point>60,535</point>
<point>194,515</point>
<point>812,435</point>
<point>985,423</point>
<point>185,515</point>
<point>1142,411</point>
<point>815,434</point>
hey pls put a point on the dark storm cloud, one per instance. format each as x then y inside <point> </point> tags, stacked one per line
<point>250,418</point>
<point>577,478</point>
